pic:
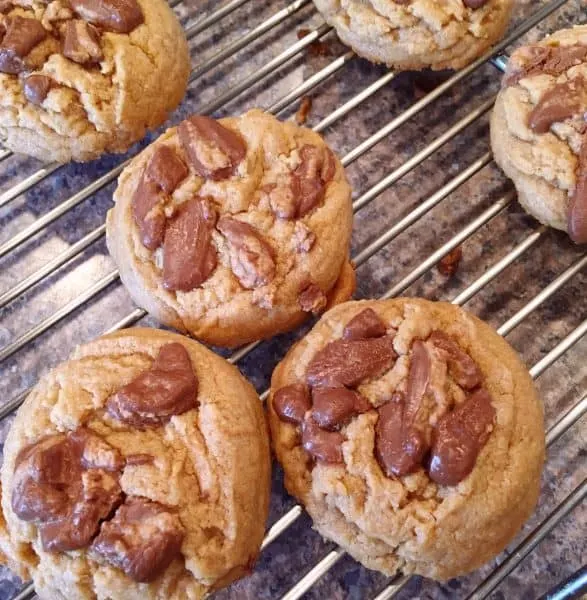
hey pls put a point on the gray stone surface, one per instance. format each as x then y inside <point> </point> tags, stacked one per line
<point>299,548</point>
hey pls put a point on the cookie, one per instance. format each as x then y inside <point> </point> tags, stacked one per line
<point>418,34</point>
<point>234,230</point>
<point>411,432</point>
<point>138,469</point>
<point>539,129</point>
<point>82,77</point>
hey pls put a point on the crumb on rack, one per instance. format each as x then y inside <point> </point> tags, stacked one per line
<point>449,264</point>
<point>317,48</point>
<point>304,110</point>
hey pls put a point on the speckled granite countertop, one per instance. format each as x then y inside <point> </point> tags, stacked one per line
<point>299,548</point>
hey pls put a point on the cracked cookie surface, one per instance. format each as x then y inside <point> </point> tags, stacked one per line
<point>411,432</point>
<point>539,129</point>
<point>418,34</point>
<point>79,78</point>
<point>138,469</point>
<point>234,230</point>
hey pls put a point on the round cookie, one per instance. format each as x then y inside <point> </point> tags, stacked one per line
<point>418,34</point>
<point>138,469</point>
<point>411,432</point>
<point>82,77</point>
<point>539,131</point>
<point>234,230</point>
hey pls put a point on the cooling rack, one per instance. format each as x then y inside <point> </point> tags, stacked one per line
<point>416,151</point>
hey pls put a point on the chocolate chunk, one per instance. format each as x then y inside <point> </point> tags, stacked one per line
<point>284,197</point>
<point>149,214</point>
<point>366,324</point>
<point>312,299</point>
<point>399,449</point>
<point>214,151</point>
<point>459,437</point>
<point>324,446</point>
<point>99,495</point>
<point>22,35</point>
<point>36,88</point>
<point>119,16</point>
<point>332,408</point>
<point>143,539</point>
<point>292,402</point>
<point>163,173</point>
<point>189,256</point>
<point>418,380</point>
<point>462,367</point>
<point>81,43</point>
<point>6,6</point>
<point>348,362</point>
<point>316,170</point>
<point>563,101</point>
<point>135,460</point>
<point>166,168</point>
<point>474,4</point>
<point>67,484</point>
<point>168,388</point>
<point>552,60</point>
<point>251,257</point>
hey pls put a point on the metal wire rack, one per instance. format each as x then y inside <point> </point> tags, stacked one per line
<point>28,221</point>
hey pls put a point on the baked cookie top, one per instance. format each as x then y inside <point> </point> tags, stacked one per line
<point>414,34</point>
<point>403,425</point>
<point>544,106</point>
<point>138,469</point>
<point>80,77</point>
<point>234,229</point>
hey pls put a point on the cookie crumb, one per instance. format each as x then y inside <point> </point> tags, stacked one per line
<point>304,110</point>
<point>449,264</point>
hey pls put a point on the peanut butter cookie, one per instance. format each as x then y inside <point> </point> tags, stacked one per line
<point>82,77</point>
<point>418,34</point>
<point>411,432</point>
<point>234,230</point>
<point>539,129</point>
<point>138,469</point>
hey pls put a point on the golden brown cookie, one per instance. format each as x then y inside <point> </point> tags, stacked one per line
<point>234,230</point>
<point>539,131</point>
<point>418,34</point>
<point>411,432</point>
<point>138,469</point>
<point>82,77</point>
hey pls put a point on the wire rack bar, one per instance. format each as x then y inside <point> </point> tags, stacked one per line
<point>4,154</point>
<point>28,183</point>
<point>275,531</point>
<point>232,48</point>
<point>212,18</point>
<point>566,421</point>
<point>530,542</point>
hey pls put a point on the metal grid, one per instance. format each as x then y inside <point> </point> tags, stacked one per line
<point>17,242</point>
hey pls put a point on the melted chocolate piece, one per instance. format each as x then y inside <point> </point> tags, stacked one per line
<point>214,151</point>
<point>163,173</point>
<point>251,257</point>
<point>366,324</point>
<point>135,460</point>
<point>461,366</point>
<point>475,4</point>
<point>189,256</point>
<point>324,446</point>
<point>311,298</point>
<point>399,450</point>
<point>332,408</point>
<point>459,437</point>
<point>143,539</point>
<point>21,36</point>
<point>119,16</point>
<point>552,60</point>
<point>168,388</point>
<point>348,362</point>
<point>316,170</point>
<point>292,402</point>
<point>418,380</point>
<point>82,43</point>
<point>67,484</point>
<point>563,101</point>
<point>36,88</point>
